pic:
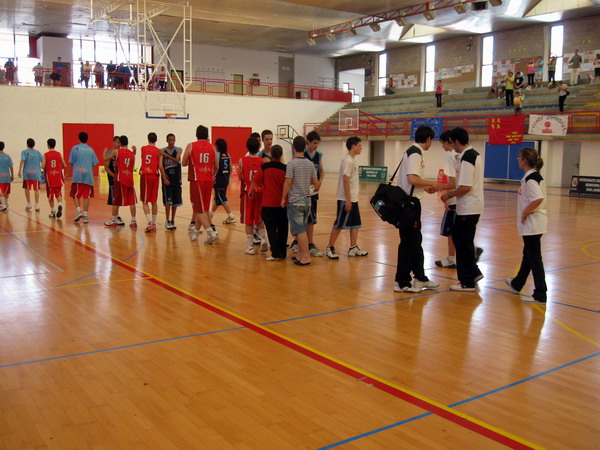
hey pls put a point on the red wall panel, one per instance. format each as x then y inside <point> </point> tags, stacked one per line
<point>236,138</point>
<point>100,136</point>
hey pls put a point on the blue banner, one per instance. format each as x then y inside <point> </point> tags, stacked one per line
<point>437,123</point>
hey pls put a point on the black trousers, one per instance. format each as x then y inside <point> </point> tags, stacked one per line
<point>410,253</point>
<point>531,79</point>
<point>532,262</point>
<point>438,99</point>
<point>463,236</point>
<point>561,102</point>
<point>551,76</point>
<point>276,223</point>
<point>509,97</point>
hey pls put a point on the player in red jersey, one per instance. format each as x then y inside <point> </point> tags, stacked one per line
<point>124,190</point>
<point>149,177</point>
<point>251,217</point>
<point>201,157</point>
<point>54,166</point>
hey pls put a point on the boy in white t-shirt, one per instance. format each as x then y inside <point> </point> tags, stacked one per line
<point>348,214</point>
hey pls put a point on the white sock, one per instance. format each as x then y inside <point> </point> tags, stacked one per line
<point>262,234</point>
<point>153,218</point>
<point>59,203</point>
<point>250,239</point>
<point>451,259</point>
<point>78,210</point>
<point>149,218</point>
<point>230,215</point>
<point>85,214</point>
<point>2,201</point>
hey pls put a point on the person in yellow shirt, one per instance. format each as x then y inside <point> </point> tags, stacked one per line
<point>518,103</point>
<point>509,88</point>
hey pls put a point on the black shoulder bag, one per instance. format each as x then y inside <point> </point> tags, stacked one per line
<point>393,205</point>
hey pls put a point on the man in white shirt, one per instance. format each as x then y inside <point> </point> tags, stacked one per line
<point>469,206</point>
<point>410,251</point>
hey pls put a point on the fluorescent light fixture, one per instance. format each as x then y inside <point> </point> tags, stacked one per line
<point>311,42</point>
<point>375,27</point>
<point>429,14</point>
<point>460,8</point>
<point>401,21</point>
<point>352,32</point>
<point>495,2</point>
<point>330,37</point>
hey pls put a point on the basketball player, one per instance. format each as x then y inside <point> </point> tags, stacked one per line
<point>311,154</point>
<point>149,180</point>
<point>54,166</point>
<point>124,193</point>
<point>222,182</point>
<point>7,175</point>
<point>170,170</point>
<point>82,161</point>
<point>201,156</point>
<point>251,217</point>
<point>267,139</point>
<point>31,162</point>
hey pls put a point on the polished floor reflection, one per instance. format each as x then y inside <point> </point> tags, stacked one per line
<point>117,338</point>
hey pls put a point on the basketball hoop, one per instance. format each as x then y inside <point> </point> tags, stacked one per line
<point>170,115</point>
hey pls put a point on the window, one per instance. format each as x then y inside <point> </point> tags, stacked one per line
<point>381,85</point>
<point>345,87</point>
<point>556,48</point>
<point>487,61</point>
<point>430,68</point>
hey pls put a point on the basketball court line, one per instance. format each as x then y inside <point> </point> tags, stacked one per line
<point>415,399</point>
<point>63,286</point>
<point>28,247</point>
<point>462,402</point>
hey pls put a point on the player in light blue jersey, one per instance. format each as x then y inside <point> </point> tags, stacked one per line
<point>7,175</point>
<point>82,160</point>
<point>31,171</point>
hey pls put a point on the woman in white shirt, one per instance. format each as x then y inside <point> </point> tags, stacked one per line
<point>532,222</point>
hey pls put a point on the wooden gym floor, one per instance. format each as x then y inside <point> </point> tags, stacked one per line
<point>113,338</point>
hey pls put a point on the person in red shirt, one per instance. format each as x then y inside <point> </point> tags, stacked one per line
<point>249,166</point>
<point>149,177</point>
<point>271,178</point>
<point>54,166</point>
<point>201,157</point>
<point>124,190</point>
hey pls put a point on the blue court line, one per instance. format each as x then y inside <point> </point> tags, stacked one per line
<point>577,307</point>
<point>54,358</point>
<point>462,402</point>
<point>26,245</point>
<point>508,191</point>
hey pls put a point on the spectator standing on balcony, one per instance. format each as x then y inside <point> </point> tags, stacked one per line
<point>38,74</point>
<point>439,89</point>
<point>563,91</point>
<point>509,87</point>
<point>10,68</point>
<point>551,71</point>
<point>58,72</point>
<point>110,70</point>
<point>531,73</point>
<point>162,79</point>
<point>597,68</point>
<point>87,71</point>
<point>99,74</point>
<point>575,62</point>
<point>539,72</point>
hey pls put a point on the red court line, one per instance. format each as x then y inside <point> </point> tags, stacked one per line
<point>396,392</point>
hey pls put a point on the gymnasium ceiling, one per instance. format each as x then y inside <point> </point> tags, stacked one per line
<point>284,26</point>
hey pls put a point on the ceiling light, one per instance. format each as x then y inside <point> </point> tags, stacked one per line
<point>401,21</point>
<point>375,27</point>
<point>311,42</point>
<point>429,14</point>
<point>352,32</point>
<point>460,8</point>
<point>330,37</point>
<point>495,2</point>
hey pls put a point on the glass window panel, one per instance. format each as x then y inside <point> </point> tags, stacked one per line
<point>430,59</point>
<point>487,75</point>
<point>556,41</point>
<point>76,50</point>
<point>106,51</point>
<point>7,46</point>
<point>87,51</point>
<point>429,81</point>
<point>488,50</point>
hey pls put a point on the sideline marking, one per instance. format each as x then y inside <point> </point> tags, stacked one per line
<point>397,391</point>
<point>63,286</point>
<point>566,327</point>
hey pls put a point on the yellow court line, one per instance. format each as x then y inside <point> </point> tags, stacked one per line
<point>310,349</point>
<point>566,327</point>
<point>586,252</point>
<point>71,285</point>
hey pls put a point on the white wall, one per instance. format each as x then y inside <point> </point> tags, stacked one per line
<point>51,107</point>
<point>309,70</point>
<point>335,151</point>
<point>552,153</point>
<point>356,79</point>
<point>50,48</point>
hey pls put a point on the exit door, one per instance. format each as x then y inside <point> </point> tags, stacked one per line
<point>570,162</point>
